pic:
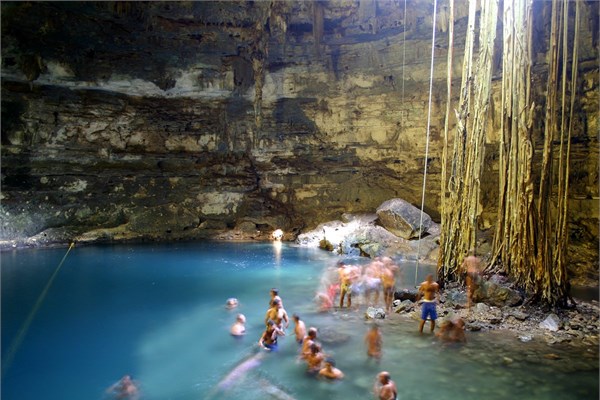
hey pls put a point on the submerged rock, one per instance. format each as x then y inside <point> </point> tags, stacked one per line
<point>375,313</point>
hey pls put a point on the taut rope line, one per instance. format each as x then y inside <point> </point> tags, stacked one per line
<point>427,140</point>
<point>25,327</point>
<point>403,54</point>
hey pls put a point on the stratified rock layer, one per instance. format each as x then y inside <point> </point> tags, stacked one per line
<point>229,119</point>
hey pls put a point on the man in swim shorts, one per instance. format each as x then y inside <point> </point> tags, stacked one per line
<point>430,289</point>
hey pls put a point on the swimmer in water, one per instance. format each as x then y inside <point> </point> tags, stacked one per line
<point>124,389</point>
<point>308,341</point>
<point>329,371</point>
<point>239,327</point>
<point>231,303</point>
<point>314,359</point>
<point>373,341</point>
<point>385,388</point>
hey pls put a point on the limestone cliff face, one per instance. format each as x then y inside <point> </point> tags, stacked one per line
<point>168,120</point>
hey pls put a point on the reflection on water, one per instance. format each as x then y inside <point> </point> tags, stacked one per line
<point>157,313</point>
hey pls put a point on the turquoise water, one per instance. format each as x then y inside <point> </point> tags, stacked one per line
<point>157,312</point>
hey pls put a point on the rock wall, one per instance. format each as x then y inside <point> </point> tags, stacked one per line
<point>167,120</point>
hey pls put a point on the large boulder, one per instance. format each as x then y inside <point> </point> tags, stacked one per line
<point>496,295</point>
<point>402,219</point>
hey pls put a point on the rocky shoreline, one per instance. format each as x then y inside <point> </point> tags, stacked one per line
<point>577,326</point>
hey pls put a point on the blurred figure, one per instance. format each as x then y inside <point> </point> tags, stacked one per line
<point>470,266</point>
<point>452,331</point>
<point>314,359</point>
<point>430,289</point>
<point>385,388</point>
<point>372,281</point>
<point>268,340</point>
<point>124,389</point>
<point>348,276</point>
<point>239,327</point>
<point>329,371</point>
<point>324,300</point>
<point>373,340</point>
<point>299,328</point>
<point>388,281</point>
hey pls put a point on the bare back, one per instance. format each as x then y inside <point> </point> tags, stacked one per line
<point>429,289</point>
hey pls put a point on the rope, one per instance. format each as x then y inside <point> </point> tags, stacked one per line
<point>427,139</point>
<point>403,52</point>
<point>25,327</point>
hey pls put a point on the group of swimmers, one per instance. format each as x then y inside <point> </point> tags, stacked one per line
<point>318,362</point>
<point>372,280</point>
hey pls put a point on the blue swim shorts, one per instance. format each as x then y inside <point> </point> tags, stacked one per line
<point>272,347</point>
<point>428,309</point>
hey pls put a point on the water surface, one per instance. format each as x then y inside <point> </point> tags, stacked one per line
<point>157,312</point>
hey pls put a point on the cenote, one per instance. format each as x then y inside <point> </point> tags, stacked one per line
<point>157,312</point>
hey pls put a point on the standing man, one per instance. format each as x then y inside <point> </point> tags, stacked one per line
<point>385,388</point>
<point>471,268</point>
<point>388,280</point>
<point>430,289</point>
<point>348,275</point>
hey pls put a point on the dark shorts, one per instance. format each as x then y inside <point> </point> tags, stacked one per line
<point>428,309</point>
<point>272,346</point>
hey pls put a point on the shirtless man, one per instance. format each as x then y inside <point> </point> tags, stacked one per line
<point>239,327</point>
<point>329,371</point>
<point>388,281</point>
<point>299,328</point>
<point>308,341</point>
<point>278,314</point>
<point>373,341</point>
<point>385,388</point>
<point>430,289</point>
<point>274,296</point>
<point>314,359</point>
<point>470,266</point>
<point>348,275</point>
